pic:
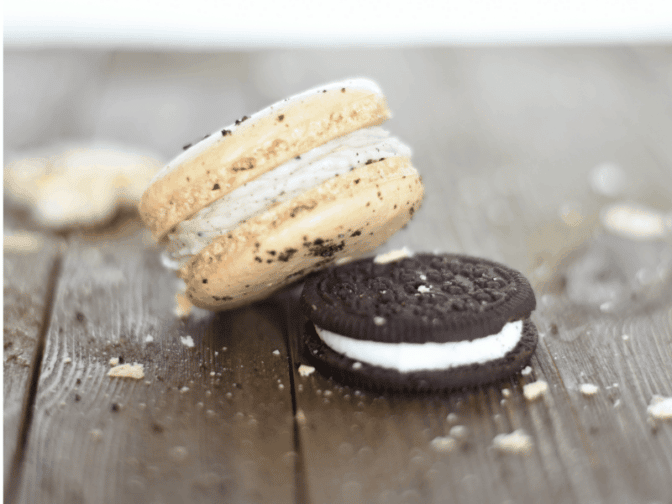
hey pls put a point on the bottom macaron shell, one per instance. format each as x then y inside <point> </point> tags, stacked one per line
<point>344,218</point>
<point>369,377</point>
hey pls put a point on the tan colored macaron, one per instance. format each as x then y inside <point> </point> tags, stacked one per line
<point>307,182</point>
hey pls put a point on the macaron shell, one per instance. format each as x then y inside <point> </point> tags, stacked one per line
<point>254,147</point>
<point>344,218</point>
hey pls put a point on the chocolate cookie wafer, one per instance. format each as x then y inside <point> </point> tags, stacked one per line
<point>420,323</point>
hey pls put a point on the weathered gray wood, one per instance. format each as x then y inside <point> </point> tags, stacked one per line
<point>206,424</point>
<point>506,140</point>
<point>27,263</point>
<point>537,123</point>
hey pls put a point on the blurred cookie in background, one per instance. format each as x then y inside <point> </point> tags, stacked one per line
<point>86,186</point>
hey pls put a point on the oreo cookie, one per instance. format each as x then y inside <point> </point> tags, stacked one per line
<point>422,323</point>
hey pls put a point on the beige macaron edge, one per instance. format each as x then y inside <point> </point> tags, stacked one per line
<point>344,218</point>
<point>256,146</point>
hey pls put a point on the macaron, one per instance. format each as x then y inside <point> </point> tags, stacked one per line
<point>427,322</point>
<point>305,183</point>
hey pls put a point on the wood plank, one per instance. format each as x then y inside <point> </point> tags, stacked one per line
<point>28,260</point>
<point>207,423</point>
<point>522,191</point>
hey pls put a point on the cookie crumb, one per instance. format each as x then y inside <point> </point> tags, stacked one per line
<point>114,361</point>
<point>659,409</point>
<point>443,444</point>
<point>301,417</point>
<point>187,341</point>
<point>379,321</point>
<point>134,371</point>
<point>636,222</point>
<point>306,370</point>
<point>392,256</point>
<point>22,242</point>
<point>96,435</point>
<point>276,352</point>
<point>516,443</point>
<point>506,392</point>
<point>535,390</point>
<point>588,389</point>
<point>183,306</point>
<point>459,432</point>
<point>149,339</point>
<point>527,371</point>
<point>357,365</point>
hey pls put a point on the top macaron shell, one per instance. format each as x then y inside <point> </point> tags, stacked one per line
<point>252,146</point>
<point>477,300</point>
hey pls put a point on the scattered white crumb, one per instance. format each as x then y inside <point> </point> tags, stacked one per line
<point>379,321</point>
<point>392,256</point>
<point>134,371</point>
<point>212,373</point>
<point>67,360</point>
<point>184,390</point>
<point>149,339</point>
<point>142,405</point>
<point>281,386</point>
<point>660,408</point>
<point>187,341</point>
<point>459,432</point>
<point>301,417</point>
<point>357,365</point>
<point>114,361</point>
<point>452,418</point>
<point>533,391</point>
<point>443,444</point>
<point>588,389</point>
<point>276,352</point>
<point>527,371</point>
<point>96,434</point>
<point>178,453</point>
<point>516,443</point>
<point>306,370</point>
<point>423,289</point>
<point>506,392</point>
<point>625,337</point>
<point>224,349</point>
<point>636,222</point>
<point>617,403</point>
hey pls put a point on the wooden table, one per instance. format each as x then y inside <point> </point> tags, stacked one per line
<point>521,151</point>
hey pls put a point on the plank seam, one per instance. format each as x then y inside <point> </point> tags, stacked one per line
<point>300,485</point>
<point>27,409</point>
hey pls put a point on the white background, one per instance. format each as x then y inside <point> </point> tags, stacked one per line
<point>251,24</point>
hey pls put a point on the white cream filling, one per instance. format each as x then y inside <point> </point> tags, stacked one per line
<point>281,184</point>
<point>409,357</point>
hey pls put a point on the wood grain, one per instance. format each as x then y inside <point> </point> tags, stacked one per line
<point>541,122</point>
<point>208,423</point>
<point>510,143</point>
<point>26,275</point>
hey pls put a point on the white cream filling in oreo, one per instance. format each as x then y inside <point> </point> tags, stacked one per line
<point>281,184</point>
<point>409,357</point>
